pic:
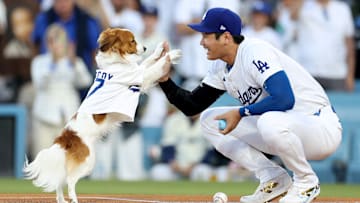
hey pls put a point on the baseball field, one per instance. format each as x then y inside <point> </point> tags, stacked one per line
<point>90,191</point>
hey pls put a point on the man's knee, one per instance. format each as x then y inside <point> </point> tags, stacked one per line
<point>272,126</point>
<point>207,120</point>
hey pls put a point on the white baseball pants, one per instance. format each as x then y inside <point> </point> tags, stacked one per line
<point>294,137</point>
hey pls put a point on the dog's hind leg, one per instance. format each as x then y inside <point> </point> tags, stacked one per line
<point>71,189</point>
<point>60,195</point>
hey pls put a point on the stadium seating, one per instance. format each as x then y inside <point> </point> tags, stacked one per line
<point>353,171</point>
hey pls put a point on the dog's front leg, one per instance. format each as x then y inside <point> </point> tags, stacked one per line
<point>152,74</point>
<point>150,60</point>
<point>71,190</point>
<point>60,195</point>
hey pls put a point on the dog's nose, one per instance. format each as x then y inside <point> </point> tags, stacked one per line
<point>144,48</point>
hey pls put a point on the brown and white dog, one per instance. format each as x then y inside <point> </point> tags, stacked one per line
<point>112,99</point>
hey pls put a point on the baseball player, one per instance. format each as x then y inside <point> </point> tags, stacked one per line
<point>284,111</point>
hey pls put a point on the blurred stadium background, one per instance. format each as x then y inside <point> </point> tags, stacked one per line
<point>339,173</point>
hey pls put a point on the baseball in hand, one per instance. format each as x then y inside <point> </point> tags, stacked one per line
<point>222,124</point>
<point>220,197</point>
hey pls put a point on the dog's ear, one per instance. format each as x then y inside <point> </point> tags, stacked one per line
<point>127,43</point>
<point>106,40</point>
<point>102,42</point>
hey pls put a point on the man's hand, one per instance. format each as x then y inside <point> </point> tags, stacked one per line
<point>166,70</point>
<point>165,49</point>
<point>232,119</point>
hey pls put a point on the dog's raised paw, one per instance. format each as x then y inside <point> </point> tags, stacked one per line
<point>158,50</point>
<point>175,55</point>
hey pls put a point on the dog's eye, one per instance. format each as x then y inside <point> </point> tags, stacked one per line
<point>133,41</point>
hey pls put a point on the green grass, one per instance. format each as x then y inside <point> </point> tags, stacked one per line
<point>85,186</point>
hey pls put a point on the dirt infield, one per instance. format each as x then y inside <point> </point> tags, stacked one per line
<point>95,198</point>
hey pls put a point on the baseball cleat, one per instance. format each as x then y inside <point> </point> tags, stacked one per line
<point>269,190</point>
<point>300,195</point>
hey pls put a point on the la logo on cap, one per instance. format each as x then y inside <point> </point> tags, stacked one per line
<point>222,27</point>
<point>204,16</point>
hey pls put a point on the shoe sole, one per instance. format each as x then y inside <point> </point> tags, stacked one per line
<point>315,191</point>
<point>281,195</point>
<point>276,196</point>
<point>314,195</point>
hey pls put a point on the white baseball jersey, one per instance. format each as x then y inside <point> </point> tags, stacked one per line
<point>255,62</point>
<point>116,89</point>
<point>310,130</point>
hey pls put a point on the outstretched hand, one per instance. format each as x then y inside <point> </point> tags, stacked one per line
<point>165,49</point>
<point>232,119</point>
<point>166,70</point>
<point>171,57</point>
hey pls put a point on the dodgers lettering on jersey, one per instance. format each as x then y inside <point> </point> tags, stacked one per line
<point>255,62</point>
<point>250,96</point>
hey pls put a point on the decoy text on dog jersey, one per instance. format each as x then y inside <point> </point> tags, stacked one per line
<point>103,75</point>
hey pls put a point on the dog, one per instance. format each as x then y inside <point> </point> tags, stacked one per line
<point>111,100</point>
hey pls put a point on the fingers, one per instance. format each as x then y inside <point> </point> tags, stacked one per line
<point>220,117</point>
<point>231,119</point>
<point>222,124</point>
<point>166,70</point>
<point>164,78</point>
<point>166,46</point>
<point>227,130</point>
<point>165,49</point>
<point>168,59</point>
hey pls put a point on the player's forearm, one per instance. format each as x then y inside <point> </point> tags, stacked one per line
<point>279,99</point>
<point>190,103</point>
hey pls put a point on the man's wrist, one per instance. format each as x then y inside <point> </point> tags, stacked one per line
<point>244,111</point>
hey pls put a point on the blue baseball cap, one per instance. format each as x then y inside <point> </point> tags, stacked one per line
<point>149,10</point>
<point>262,7</point>
<point>219,20</point>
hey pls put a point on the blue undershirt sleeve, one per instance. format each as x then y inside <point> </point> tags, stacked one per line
<point>281,96</point>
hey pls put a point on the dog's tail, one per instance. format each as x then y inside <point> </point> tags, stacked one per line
<point>48,170</point>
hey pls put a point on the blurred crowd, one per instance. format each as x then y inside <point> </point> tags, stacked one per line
<point>47,65</point>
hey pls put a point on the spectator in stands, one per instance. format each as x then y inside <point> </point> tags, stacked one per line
<point>155,102</point>
<point>120,153</point>
<point>213,167</point>
<point>182,147</point>
<point>119,14</point>
<point>260,24</point>
<point>165,23</point>
<point>6,89</point>
<point>55,74</point>
<point>82,29</point>
<point>193,63</point>
<point>94,8</point>
<point>19,46</point>
<point>325,41</point>
<point>286,27</point>
<point>3,18</point>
